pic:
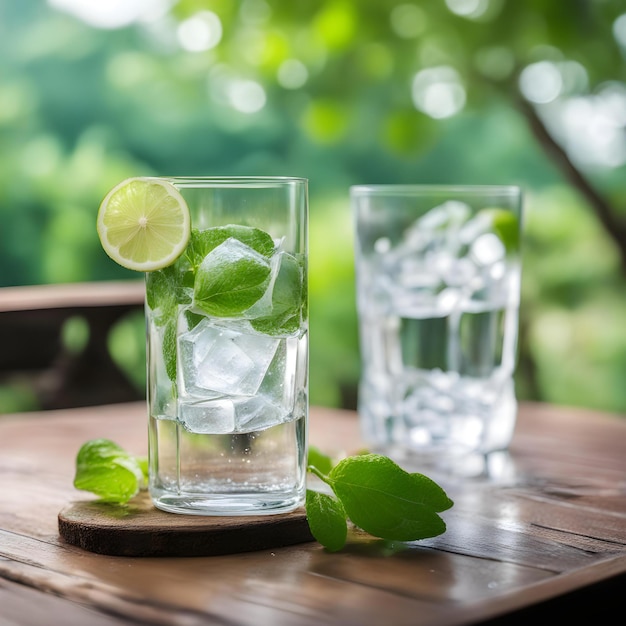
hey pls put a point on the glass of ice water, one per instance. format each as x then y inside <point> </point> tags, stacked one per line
<point>438,287</point>
<point>227,339</point>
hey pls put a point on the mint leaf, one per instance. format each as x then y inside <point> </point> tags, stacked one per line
<point>386,501</point>
<point>318,459</point>
<point>105,469</point>
<point>169,348</point>
<point>230,279</point>
<point>204,241</point>
<point>164,292</point>
<point>377,496</point>
<point>193,319</point>
<point>287,288</point>
<point>327,520</point>
<point>287,300</point>
<point>280,325</point>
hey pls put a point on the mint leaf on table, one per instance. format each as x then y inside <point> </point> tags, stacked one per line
<point>108,471</point>
<point>386,501</point>
<point>327,520</point>
<point>382,499</point>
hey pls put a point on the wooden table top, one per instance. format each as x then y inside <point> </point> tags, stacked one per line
<point>553,524</point>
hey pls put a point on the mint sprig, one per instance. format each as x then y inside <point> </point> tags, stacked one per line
<point>377,496</point>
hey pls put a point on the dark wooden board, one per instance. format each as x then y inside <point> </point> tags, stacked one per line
<point>140,529</point>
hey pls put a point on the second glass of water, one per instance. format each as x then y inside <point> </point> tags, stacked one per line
<point>438,285</point>
<point>227,331</point>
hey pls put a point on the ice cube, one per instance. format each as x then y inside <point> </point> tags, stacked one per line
<point>286,285</point>
<point>434,235</point>
<point>275,400</point>
<point>213,417</point>
<point>382,245</point>
<point>449,214</point>
<point>448,300</point>
<point>263,306</point>
<point>413,272</point>
<point>487,249</point>
<point>472,229</point>
<point>279,385</point>
<point>257,413</point>
<point>217,359</point>
<point>455,272</point>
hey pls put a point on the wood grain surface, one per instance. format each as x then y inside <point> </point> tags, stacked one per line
<point>552,522</point>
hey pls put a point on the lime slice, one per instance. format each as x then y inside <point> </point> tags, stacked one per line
<point>506,226</point>
<point>144,224</point>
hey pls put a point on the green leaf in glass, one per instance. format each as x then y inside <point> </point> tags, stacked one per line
<point>230,279</point>
<point>204,241</point>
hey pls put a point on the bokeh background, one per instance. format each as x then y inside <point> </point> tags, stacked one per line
<point>528,92</point>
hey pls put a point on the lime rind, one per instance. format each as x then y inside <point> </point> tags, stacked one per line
<point>505,225</point>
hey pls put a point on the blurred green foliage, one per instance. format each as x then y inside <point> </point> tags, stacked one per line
<point>339,92</point>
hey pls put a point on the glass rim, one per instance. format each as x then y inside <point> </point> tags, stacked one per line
<point>235,181</point>
<point>392,189</point>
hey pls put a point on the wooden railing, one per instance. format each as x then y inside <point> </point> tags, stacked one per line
<point>33,353</point>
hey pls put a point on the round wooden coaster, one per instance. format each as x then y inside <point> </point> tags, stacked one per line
<point>140,529</point>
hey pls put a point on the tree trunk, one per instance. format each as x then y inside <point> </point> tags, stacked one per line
<point>613,224</point>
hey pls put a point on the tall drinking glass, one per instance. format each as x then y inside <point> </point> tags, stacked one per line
<point>227,352</point>
<point>438,284</point>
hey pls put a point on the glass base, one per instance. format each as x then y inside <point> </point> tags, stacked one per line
<point>226,504</point>
<point>495,466</point>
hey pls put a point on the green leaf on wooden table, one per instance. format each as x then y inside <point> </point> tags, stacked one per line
<point>105,469</point>
<point>377,496</point>
<point>386,501</point>
<point>327,520</point>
